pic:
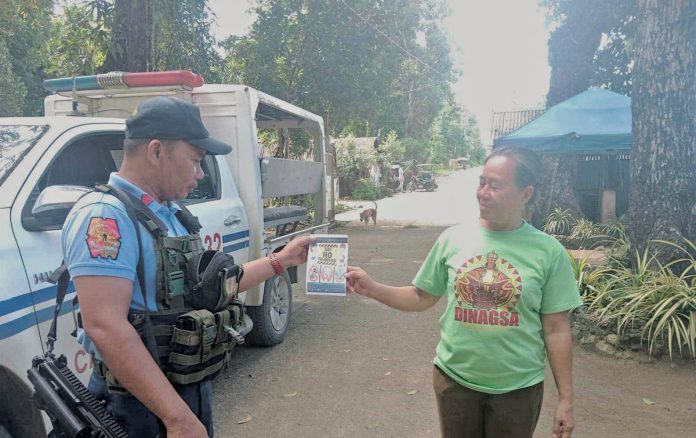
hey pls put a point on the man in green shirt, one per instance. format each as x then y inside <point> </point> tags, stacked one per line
<point>509,288</point>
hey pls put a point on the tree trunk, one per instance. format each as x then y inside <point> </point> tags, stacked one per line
<point>662,201</point>
<point>572,47</point>
<point>131,47</point>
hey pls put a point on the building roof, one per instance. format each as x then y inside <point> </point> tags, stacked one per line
<point>595,120</point>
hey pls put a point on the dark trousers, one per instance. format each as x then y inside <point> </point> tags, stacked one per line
<point>139,421</point>
<point>465,413</point>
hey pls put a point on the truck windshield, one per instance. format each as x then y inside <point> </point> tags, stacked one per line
<point>15,143</point>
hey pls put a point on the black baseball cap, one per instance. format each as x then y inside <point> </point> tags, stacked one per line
<point>171,118</point>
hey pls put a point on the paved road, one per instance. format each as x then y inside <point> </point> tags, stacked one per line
<point>349,366</point>
<point>452,202</point>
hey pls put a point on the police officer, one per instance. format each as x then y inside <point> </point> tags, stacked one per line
<point>164,145</point>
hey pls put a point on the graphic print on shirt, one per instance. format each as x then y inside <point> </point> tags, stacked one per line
<point>491,287</point>
<point>103,238</point>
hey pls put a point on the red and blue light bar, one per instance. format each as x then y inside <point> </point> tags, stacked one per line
<point>119,79</point>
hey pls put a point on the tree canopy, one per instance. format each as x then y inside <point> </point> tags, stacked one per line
<point>366,66</point>
<point>369,67</point>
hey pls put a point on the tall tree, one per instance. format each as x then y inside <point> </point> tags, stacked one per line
<point>151,35</point>
<point>365,66</point>
<point>130,48</point>
<point>12,90</point>
<point>79,41</point>
<point>453,134</point>
<point>613,62</point>
<point>24,28</point>
<point>662,202</point>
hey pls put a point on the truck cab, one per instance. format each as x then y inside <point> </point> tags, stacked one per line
<point>44,162</point>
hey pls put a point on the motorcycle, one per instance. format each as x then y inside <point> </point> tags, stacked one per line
<point>423,179</point>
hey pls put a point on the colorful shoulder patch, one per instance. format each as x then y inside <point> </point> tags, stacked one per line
<point>103,238</point>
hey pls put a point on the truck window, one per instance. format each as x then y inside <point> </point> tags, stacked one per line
<point>209,187</point>
<point>87,161</point>
<point>15,142</point>
<point>104,153</point>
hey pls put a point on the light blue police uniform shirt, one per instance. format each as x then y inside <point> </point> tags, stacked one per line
<point>99,239</point>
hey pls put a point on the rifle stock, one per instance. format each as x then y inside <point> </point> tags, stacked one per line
<point>73,410</point>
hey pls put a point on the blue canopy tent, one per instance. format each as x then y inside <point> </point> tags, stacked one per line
<point>595,121</point>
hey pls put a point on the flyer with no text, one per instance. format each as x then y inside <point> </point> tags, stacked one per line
<point>326,265</point>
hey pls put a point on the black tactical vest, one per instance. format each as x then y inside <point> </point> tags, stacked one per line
<point>195,327</point>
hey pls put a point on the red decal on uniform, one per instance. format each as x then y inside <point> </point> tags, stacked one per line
<point>103,238</point>
<point>147,199</point>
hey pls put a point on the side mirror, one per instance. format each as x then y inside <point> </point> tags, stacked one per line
<point>51,207</point>
<point>55,199</point>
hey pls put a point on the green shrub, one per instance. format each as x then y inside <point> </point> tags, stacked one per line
<point>652,296</point>
<point>385,192</point>
<point>367,190</point>
<point>559,222</point>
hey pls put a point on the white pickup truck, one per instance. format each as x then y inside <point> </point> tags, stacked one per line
<point>41,156</point>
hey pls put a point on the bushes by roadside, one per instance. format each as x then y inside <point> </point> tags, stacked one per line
<point>644,303</point>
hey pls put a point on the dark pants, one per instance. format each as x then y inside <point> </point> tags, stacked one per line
<point>465,413</point>
<point>139,421</point>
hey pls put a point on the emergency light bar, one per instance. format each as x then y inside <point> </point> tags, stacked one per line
<point>119,79</point>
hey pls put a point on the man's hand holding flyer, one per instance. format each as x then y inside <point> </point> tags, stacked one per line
<point>326,265</point>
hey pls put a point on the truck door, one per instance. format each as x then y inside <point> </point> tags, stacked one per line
<point>217,204</point>
<point>83,155</point>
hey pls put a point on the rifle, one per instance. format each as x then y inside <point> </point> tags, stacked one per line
<point>73,410</point>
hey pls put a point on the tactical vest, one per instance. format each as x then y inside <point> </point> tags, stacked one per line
<point>195,327</point>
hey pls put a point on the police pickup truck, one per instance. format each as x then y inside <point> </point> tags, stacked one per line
<point>79,143</point>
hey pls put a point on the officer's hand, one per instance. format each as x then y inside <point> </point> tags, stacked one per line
<point>190,429</point>
<point>358,281</point>
<point>295,252</point>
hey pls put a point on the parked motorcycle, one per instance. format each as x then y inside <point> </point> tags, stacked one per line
<point>423,179</point>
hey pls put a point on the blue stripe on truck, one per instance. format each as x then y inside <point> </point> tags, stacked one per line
<point>30,320</point>
<point>235,247</point>
<point>235,236</point>
<point>26,300</point>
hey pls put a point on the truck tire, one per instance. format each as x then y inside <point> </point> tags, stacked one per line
<point>19,415</point>
<point>272,318</point>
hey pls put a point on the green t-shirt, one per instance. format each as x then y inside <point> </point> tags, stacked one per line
<point>498,284</point>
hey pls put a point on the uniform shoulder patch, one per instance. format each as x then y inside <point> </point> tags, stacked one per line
<point>103,238</point>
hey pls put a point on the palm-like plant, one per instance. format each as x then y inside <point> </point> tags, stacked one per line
<point>662,302</point>
<point>559,222</point>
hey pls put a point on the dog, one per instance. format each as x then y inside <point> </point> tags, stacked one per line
<point>369,213</point>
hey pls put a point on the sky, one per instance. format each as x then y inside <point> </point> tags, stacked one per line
<point>500,46</point>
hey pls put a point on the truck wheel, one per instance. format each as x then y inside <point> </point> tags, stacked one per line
<point>19,416</point>
<point>272,317</point>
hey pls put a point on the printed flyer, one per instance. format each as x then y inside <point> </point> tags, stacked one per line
<point>327,262</point>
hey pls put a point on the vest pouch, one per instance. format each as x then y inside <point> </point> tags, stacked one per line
<point>199,346</point>
<point>215,280</point>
